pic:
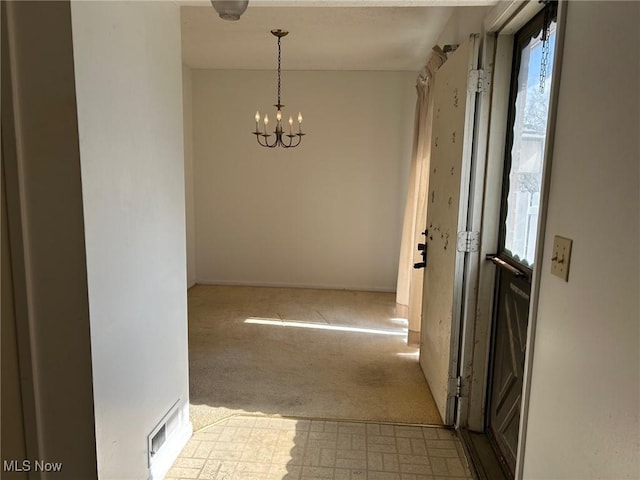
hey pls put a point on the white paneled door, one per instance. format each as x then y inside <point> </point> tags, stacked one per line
<point>448,196</point>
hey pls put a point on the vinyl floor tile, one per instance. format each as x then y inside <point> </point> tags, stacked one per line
<point>245,447</point>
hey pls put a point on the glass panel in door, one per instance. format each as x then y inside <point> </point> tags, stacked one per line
<point>528,136</point>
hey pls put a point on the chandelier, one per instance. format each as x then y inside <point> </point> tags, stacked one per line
<point>264,138</point>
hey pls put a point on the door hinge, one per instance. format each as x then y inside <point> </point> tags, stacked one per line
<point>468,242</point>
<point>479,81</point>
<point>456,387</point>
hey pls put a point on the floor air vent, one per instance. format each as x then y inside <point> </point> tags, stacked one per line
<point>158,440</point>
<point>165,428</point>
<point>168,438</point>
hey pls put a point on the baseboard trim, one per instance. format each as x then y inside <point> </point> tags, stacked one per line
<point>317,286</point>
<point>402,310</point>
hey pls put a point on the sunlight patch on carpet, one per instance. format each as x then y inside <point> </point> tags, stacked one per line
<point>322,326</point>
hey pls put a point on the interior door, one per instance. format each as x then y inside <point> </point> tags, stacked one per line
<point>448,195</point>
<point>524,158</point>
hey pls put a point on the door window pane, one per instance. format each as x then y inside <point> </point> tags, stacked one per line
<point>527,153</point>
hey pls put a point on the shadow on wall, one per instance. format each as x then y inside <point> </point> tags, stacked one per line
<point>302,353</point>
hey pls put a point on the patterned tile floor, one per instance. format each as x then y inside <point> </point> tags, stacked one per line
<point>266,448</point>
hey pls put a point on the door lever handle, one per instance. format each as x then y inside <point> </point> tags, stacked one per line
<point>507,266</point>
<point>422,248</point>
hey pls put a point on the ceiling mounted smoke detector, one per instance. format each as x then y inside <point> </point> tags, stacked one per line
<point>230,10</point>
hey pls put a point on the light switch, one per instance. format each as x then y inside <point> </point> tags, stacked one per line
<point>561,257</point>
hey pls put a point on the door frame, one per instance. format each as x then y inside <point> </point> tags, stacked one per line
<point>467,194</point>
<point>484,215</point>
<point>11,197</point>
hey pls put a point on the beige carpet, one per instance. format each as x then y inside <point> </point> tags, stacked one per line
<point>305,353</point>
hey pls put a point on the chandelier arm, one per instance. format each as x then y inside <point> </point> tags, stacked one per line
<point>258,134</point>
<point>299,140</point>
<point>285,144</point>
<point>272,145</point>
<point>265,141</point>
<point>291,144</point>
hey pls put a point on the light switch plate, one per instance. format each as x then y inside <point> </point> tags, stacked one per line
<point>561,257</point>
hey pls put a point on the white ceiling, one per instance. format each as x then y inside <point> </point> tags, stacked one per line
<point>324,35</point>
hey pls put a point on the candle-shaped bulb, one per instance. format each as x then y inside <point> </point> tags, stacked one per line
<point>299,117</point>
<point>290,125</point>
<point>266,120</point>
<point>257,116</point>
<point>279,115</point>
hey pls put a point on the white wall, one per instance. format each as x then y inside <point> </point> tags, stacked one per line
<point>583,418</point>
<point>463,22</point>
<point>187,99</point>
<point>129,92</point>
<point>325,214</point>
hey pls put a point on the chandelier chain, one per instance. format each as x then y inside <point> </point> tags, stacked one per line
<point>546,34</point>
<point>279,56</point>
